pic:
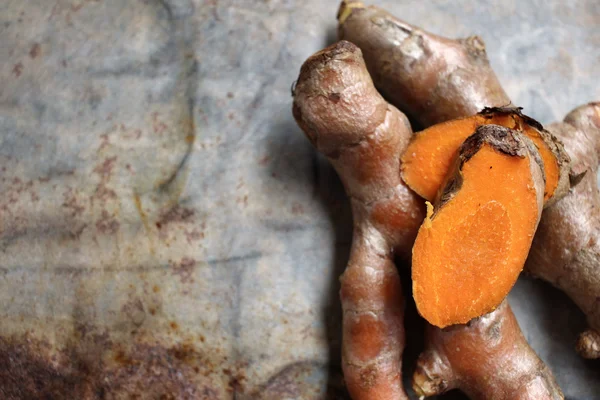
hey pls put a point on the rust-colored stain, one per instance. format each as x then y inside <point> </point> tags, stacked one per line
<point>105,170</point>
<point>175,214</point>
<point>168,221</point>
<point>35,50</point>
<point>104,142</point>
<point>143,370</point>
<point>264,160</point>
<point>174,326</point>
<point>107,223</point>
<point>106,167</point>
<point>72,204</point>
<point>138,206</point>
<point>158,126</point>
<point>189,139</point>
<point>134,310</point>
<point>122,358</point>
<point>236,380</point>
<point>184,269</point>
<point>31,370</point>
<point>193,235</point>
<point>17,69</point>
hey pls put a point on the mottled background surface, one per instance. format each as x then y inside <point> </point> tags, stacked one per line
<point>165,228</point>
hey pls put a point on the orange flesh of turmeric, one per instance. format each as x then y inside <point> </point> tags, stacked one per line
<point>430,154</point>
<point>466,260</point>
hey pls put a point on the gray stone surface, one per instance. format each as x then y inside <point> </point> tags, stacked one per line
<point>165,228</point>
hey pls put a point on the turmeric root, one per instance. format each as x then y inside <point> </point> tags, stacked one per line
<point>566,248</point>
<point>436,79</point>
<point>431,152</point>
<point>431,78</point>
<point>469,253</point>
<point>487,359</point>
<point>346,119</point>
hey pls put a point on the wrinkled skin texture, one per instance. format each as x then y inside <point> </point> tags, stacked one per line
<point>464,356</point>
<point>431,78</point>
<point>343,115</point>
<point>566,248</point>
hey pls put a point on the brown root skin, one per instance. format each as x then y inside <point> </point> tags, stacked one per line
<point>431,78</point>
<point>566,247</point>
<point>423,78</point>
<point>373,320</point>
<point>345,118</point>
<point>461,269</point>
<point>430,152</point>
<point>465,357</point>
<point>588,344</point>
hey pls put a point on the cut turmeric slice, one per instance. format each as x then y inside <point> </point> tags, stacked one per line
<point>471,249</point>
<point>431,152</point>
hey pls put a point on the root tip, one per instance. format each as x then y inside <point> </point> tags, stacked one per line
<point>425,386</point>
<point>588,344</point>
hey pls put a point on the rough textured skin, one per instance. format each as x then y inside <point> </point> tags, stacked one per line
<point>568,243</point>
<point>588,344</point>
<point>441,91</point>
<point>461,270</point>
<point>566,248</point>
<point>416,69</point>
<point>466,356</point>
<point>343,115</point>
